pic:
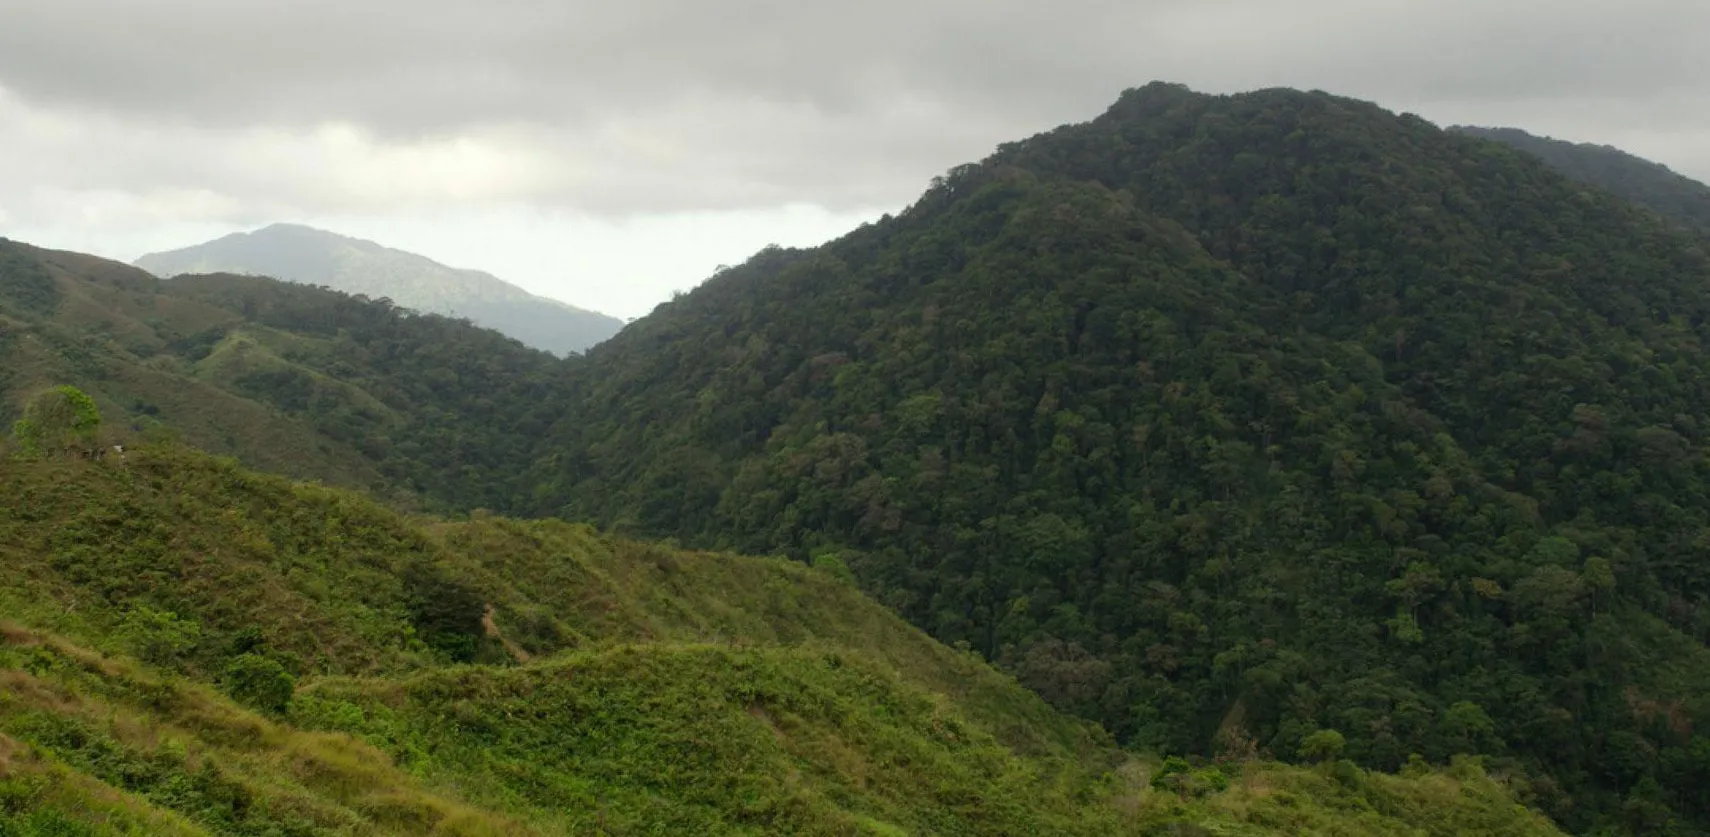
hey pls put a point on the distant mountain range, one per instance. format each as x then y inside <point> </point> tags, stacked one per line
<point>317,257</point>
<point>1651,185</point>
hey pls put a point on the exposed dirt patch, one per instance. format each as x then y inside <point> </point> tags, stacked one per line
<point>34,693</point>
<point>13,634</point>
<point>8,750</point>
<point>759,713</point>
<point>491,628</point>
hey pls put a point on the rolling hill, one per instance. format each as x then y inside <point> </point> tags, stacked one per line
<point>1262,415</point>
<point>316,257</point>
<point>289,378</point>
<point>188,648</point>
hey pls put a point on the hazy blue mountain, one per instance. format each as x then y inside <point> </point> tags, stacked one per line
<point>1651,185</point>
<point>304,254</point>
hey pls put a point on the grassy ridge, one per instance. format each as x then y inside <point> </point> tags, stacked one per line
<point>161,750</point>
<point>558,585</point>
<point>492,676</point>
<point>629,740</point>
<point>114,554</point>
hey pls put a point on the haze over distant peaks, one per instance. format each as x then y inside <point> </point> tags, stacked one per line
<point>304,254</point>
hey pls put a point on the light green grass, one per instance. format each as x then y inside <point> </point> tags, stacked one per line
<point>616,687</point>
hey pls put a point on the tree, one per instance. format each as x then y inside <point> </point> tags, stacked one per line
<point>61,420</point>
<point>1177,776</point>
<point>159,637</point>
<point>1323,745</point>
<point>1599,576</point>
<point>259,682</point>
<point>830,563</point>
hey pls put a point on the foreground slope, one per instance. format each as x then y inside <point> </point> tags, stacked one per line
<point>1652,185</point>
<point>1267,413</point>
<point>297,380</point>
<point>317,257</point>
<point>188,648</point>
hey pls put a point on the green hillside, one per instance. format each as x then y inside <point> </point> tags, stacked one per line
<point>288,378</point>
<point>1651,185</point>
<point>303,254</point>
<point>1271,426</point>
<point>190,648</point>
<point>1260,414</point>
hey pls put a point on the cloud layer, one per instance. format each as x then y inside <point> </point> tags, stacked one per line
<point>237,109</point>
<point>127,126</point>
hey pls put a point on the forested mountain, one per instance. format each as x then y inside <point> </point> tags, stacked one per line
<point>1216,417</point>
<point>1270,421</point>
<point>1638,180</point>
<point>316,257</point>
<point>190,649</point>
<point>293,379</point>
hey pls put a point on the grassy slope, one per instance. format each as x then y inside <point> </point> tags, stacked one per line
<point>112,334</point>
<point>623,688</point>
<point>659,740</point>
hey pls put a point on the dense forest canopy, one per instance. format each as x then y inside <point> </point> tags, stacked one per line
<point>468,403</point>
<point>1641,181</point>
<point>1229,416</point>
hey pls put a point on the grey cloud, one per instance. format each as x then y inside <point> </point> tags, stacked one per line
<point>417,66</point>
<point>651,105</point>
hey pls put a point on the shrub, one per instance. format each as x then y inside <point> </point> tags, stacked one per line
<point>833,565</point>
<point>159,636</point>
<point>1177,776</point>
<point>258,682</point>
<point>59,420</point>
<point>1323,745</point>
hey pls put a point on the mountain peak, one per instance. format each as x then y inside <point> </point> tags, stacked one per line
<point>300,253</point>
<point>1273,412</point>
<point>284,230</point>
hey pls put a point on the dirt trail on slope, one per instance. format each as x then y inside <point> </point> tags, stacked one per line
<point>492,629</point>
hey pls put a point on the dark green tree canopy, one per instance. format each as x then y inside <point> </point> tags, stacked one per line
<point>1648,184</point>
<point>1275,412</point>
<point>25,285</point>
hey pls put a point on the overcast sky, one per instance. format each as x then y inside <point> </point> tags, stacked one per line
<point>608,153</point>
